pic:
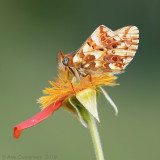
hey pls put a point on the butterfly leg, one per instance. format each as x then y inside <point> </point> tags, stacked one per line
<point>73,89</point>
<point>90,78</point>
<point>71,83</point>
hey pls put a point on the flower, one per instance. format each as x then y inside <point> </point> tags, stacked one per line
<point>64,93</point>
<point>62,88</point>
<point>79,98</point>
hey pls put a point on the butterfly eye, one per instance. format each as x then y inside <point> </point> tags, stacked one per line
<point>65,61</point>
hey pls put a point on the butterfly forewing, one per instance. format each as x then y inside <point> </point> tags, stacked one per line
<point>108,51</point>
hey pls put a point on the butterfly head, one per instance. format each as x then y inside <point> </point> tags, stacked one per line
<point>65,61</point>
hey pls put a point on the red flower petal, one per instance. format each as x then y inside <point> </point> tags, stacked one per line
<point>45,113</point>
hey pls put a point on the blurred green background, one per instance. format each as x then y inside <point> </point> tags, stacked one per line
<point>32,32</point>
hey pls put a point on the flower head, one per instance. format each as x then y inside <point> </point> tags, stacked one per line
<point>62,88</point>
<point>60,93</point>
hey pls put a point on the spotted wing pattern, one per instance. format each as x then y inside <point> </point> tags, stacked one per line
<point>107,51</point>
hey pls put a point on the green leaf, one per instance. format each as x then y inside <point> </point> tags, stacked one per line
<point>106,95</point>
<point>88,98</point>
<point>72,105</point>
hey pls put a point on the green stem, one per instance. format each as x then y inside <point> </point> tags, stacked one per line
<point>95,137</point>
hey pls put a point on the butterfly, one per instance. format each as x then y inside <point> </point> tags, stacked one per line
<point>104,52</point>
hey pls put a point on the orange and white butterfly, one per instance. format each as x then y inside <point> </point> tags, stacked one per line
<point>104,52</point>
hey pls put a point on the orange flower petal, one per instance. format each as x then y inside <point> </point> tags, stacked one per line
<point>45,113</point>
